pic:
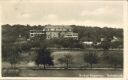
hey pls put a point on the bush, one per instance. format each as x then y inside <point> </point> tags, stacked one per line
<point>10,72</point>
<point>115,59</point>
<point>91,58</point>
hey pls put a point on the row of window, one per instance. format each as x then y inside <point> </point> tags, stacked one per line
<point>72,34</point>
<point>33,35</point>
<point>53,34</point>
<point>49,37</point>
<point>50,29</point>
<point>34,31</point>
<point>57,29</point>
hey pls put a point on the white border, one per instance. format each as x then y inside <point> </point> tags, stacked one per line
<point>125,76</point>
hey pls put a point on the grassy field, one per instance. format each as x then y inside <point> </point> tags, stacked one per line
<point>70,73</point>
<point>78,58</point>
<point>78,61</point>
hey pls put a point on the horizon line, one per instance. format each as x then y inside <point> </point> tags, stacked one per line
<point>67,25</point>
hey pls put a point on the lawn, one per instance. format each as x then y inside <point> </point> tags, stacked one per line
<point>78,62</point>
<point>78,57</point>
<point>70,73</point>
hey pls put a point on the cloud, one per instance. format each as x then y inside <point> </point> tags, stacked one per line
<point>103,15</point>
<point>49,19</point>
<point>25,15</point>
<point>99,11</point>
<point>96,12</point>
<point>52,17</point>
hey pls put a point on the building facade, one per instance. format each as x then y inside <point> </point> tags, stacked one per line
<point>55,31</point>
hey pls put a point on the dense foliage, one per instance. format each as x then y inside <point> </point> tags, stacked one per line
<point>91,58</point>
<point>66,59</point>
<point>44,57</point>
<point>89,33</point>
<point>115,59</point>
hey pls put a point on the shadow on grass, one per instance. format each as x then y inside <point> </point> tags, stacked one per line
<point>11,72</point>
<point>57,72</point>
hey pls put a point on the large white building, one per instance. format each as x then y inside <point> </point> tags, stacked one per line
<point>55,31</point>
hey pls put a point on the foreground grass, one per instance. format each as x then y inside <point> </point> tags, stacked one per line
<point>68,73</point>
<point>77,62</point>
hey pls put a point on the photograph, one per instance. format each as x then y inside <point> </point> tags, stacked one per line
<point>72,39</point>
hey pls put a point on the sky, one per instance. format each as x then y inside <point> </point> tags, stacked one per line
<point>69,12</point>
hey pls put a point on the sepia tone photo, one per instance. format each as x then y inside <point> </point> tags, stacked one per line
<point>62,39</point>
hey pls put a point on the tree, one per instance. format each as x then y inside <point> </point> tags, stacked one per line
<point>117,44</point>
<point>91,58</point>
<point>115,59</point>
<point>13,56</point>
<point>66,59</point>
<point>105,44</point>
<point>44,57</point>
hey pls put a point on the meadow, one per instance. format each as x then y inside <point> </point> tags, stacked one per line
<point>101,69</point>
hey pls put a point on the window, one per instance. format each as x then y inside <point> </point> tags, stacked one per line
<point>52,29</point>
<point>31,31</point>
<point>43,29</point>
<point>32,35</point>
<point>70,29</point>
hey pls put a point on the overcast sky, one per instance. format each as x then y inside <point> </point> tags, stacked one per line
<point>80,12</point>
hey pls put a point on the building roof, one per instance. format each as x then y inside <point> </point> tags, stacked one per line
<point>58,26</point>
